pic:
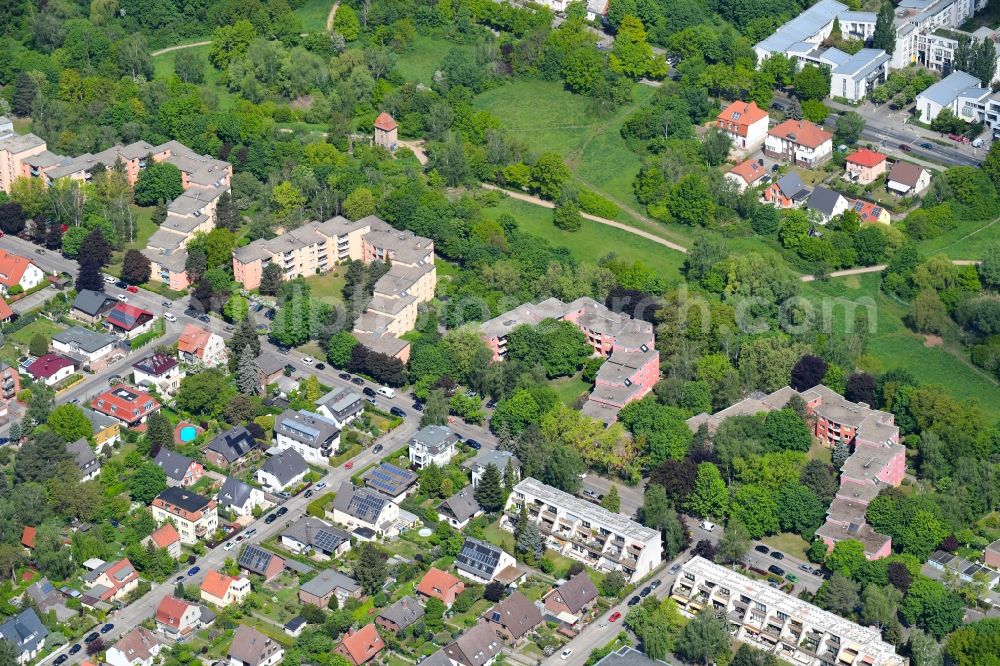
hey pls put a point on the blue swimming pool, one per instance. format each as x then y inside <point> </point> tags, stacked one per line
<point>188,433</point>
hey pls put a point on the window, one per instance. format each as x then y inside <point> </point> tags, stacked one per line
<point>689,576</point>
<point>759,606</point>
<point>782,616</point>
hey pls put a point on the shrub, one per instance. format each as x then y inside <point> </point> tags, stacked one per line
<point>595,204</point>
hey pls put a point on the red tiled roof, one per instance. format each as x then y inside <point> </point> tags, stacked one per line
<point>436,582</point>
<point>5,311</point>
<point>28,537</point>
<point>866,158</point>
<point>741,114</point>
<point>866,210</point>
<point>193,340</point>
<point>750,171</point>
<point>170,611</point>
<point>125,403</point>
<point>48,365</point>
<point>801,132</point>
<point>363,644</point>
<point>385,122</point>
<point>216,583</point>
<point>165,536</point>
<point>127,317</point>
<point>12,267</point>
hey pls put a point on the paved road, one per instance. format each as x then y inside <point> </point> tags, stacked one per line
<point>630,496</point>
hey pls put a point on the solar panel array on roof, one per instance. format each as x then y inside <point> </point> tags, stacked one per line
<point>327,541</point>
<point>255,559</point>
<point>366,506</point>
<point>478,556</point>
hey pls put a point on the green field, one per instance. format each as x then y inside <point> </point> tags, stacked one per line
<point>569,388</point>
<point>328,287</point>
<point>893,345</point>
<point>424,57</point>
<point>966,241</point>
<point>313,15</point>
<point>593,241</point>
<point>789,544</point>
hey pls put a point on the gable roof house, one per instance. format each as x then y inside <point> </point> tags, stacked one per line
<point>222,590</point>
<point>177,618</point>
<point>870,212</point>
<point>194,516</point>
<point>313,436</point>
<point>391,481</point>
<point>51,369</point>
<point>482,561</point>
<point>908,179</point>
<point>361,646</point>
<point>478,646</point>
<point>341,405</point>
<point>281,471</point>
<point>789,191</point>
<point>238,497</point>
<point>365,509</point>
<point>572,598</point>
<point>863,166</point>
<point>256,560</point>
<point>327,584</point>
<point>105,430</point>
<point>460,508</point>
<point>83,455</point>
<point>90,306</point>
<point>130,406</point>
<point>139,647</point>
<point>128,321</point>
<point>113,580</point>
<point>18,271</point>
<point>499,459</point>
<point>166,536</point>
<point>199,346</point>
<point>46,597</point>
<point>744,123</point>
<point>828,203</point>
<point>514,617</point>
<point>400,615</point>
<point>440,585</point>
<point>87,346</point>
<point>230,447</point>
<point>26,633</point>
<point>799,142</point>
<point>158,370</point>
<point>252,648</point>
<point>747,174</point>
<point>180,470</point>
<point>312,534</point>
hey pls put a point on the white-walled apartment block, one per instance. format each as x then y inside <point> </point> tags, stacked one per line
<point>584,531</point>
<point>766,618</point>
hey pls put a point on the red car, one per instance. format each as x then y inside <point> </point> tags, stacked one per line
<point>615,617</point>
<point>132,289</point>
<point>349,464</point>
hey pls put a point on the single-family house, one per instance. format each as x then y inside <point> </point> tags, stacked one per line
<point>129,405</point>
<point>341,405</point>
<point>747,174</point>
<point>92,349</point>
<point>385,132</point>
<point>499,459</point>
<point>477,646</point>
<point>177,618</point>
<point>460,508</point>
<point>827,203</point>
<point>482,562</point>
<point>160,371</point>
<point>105,431</point>
<point>514,617</point>
<point>46,597</point>
<point>789,191</point>
<point>440,585</point>
<point>238,497</point>
<point>6,314</point>
<point>863,166</point>
<point>281,471</point>
<point>799,142</point>
<point>26,633</point>
<point>29,537</point>
<point>570,600</point>
<point>870,212</point>
<point>744,123</point>
<point>165,536</point>
<point>310,534</point>
<point>85,459</point>
<point>139,647</point>
<point>252,648</point>
<point>907,179</point>
<point>18,271</point>
<point>432,445</point>
<point>91,306</point>
<point>128,321</point>
<point>180,470</point>
<point>113,580</point>
<point>360,646</point>
<point>363,508</point>
<point>400,615</point>
<point>314,436</point>
<point>230,448</point>
<point>222,590</point>
<point>50,369</point>
<point>256,560</point>
<point>194,516</point>
<point>326,585</point>
<point>392,481</point>
<point>200,346</point>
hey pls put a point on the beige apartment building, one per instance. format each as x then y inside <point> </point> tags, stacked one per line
<point>194,516</point>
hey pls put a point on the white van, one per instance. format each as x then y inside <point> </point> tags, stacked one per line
<point>978,143</point>
<point>707,526</point>
<point>386,391</point>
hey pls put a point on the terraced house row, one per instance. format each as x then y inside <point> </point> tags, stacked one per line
<point>316,247</point>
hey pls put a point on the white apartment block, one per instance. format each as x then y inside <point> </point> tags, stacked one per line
<point>766,618</point>
<point>584,531</point>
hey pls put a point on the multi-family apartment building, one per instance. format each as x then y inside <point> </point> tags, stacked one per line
<point>194,516</point>
<point>315,247</point>
<point>312,435</point>
<point>199,346</point>
<point>632,366</point>
<point>744,123</point>
<point>584,531</point>
<point>432,445</point>
<point>799,142</point>
<point>770,620</point>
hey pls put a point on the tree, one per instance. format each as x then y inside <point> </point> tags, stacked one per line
<point>928,313</point>
<point>149,481</point>
<point>841,452</point>
<point>632,55</point>
<point>38,459</point>
<point>189,66</point>
<point>339,348</point>
<point>38,345</point>
<point>839,595</point>
<point>159,432</point>
<point>808,372</point>
<point>159,181</point>
<point>703,639</point>
<point>204,393</point>
<point>248,372</point>
<point>96,248</point>
<point>885,29</point>
<point>847,558</point>
<point>784,430</point>
<point>924,650</point>
<point>613,584</point>
<point>860,387</point>
<point>489,492</point>
<point>879,605</point>
<point>239,410</point>
<point>812,83</point>
<point>930,605</point>
<point>244,335</point>
<point>434,610</point>
<point>820,479</point>
<point>69,422</point>
<point>12,218</point>
<point>849,127</point>
<point>715,146</point>
<point>800,510</point>
<point>346,23</point>
<point>566,216</point>
<point>371,571</point>
<point>750,656</point>
<point>40,404</point>
<point>89,275</point>
<point>548,175</point>
<point>136,267</point>
<point>754,506</point>
<point>735,542</point>
<point>528,541</point>
<point>710,498</point>
<point>612,502</point>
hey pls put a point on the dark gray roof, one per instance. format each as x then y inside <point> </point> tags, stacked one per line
<point>234,492</point>
<point>362,503</point>
<point>461,506</point>
<point>84,339</point>
<point>342,403</point>
<point>255,559</point>
<point>434,438</point>
<point>286,465</point>
<point>439,658</point>
<point>824,200</point>
<point>83,454</point>
<point>389,479</point>
<point>477,646</point>
<point>175,465</point>
<point>92,302</point>
<point>185,499</point>
<point>97,420</point>
<point>25,631</point>
<point>309,428</point>
<point>793,187</point>
<point>404,612</point>
<point>327,581</point>
<point>478,558</point>
<point>295,623</point>
<point>494,456</point>
<point>316,534</point>
<point>577,592</point>
<point>233,444</point>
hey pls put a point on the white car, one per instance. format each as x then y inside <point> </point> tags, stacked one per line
<point>565,654</point>
<point>169,316</point>
<point>308,360</point>
<point>109,279</point>
<point>123,298</point>
<point>229,545</point>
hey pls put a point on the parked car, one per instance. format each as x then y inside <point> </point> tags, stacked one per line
<point>418,406</point>
<point>473,444</point>
<point>491,404</point>
<point>761,548</point>
<point>959,137</point>
<point>591,494</point>
<point>309,493</point>
<point>60,659</point>
<point>91,637</point>
<point>167,304</point>
<point>108,279</point>
<point>204,317</point>
<point>76,648</point>
<point>123,298</point>
<point>566,653</point>
<point>634,601</point>
<point>307,360</point>
<point>905,148</point>
<point>357,381</point>
<point>644,592</point>
<point>655,584</point>
<point>777,554</point>
<point>193,571</point>
<point>927,145</point>
<point>674,569</point>
<point>615,617</point>
<point>169,316</point>
<point>792,577</point>
<point>229,545</point>
<point>346,376</point>
<point>132,289</point>
<point>377,448</point>
<point>806,568</point>
<point>369,391</point>
<point>320,366</point>
<point>271,517</point>
<point>349,464</point>
<point>39,251</point>
<point>776,570</point>
<point>106,628</point>
<point>397,411</point>
<point>253,530</point>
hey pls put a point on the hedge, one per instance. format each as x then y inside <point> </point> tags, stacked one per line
<point>595,204</point>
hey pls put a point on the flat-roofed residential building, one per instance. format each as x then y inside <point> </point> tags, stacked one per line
<point>584,531</point>
<point>785,626</point>
<point>194,516</point>
<point>15,150</point>
<point>314,436</point>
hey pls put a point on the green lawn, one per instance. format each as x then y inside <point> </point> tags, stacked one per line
<point>17,343</point>
<point>570,388</point>
<point>965,241</point>
<point>424,57</point>
<point>789,544</point>
<point>593,241</point>
<point>328,287</point>
<point>313,15</point>
<point>893,345</point>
